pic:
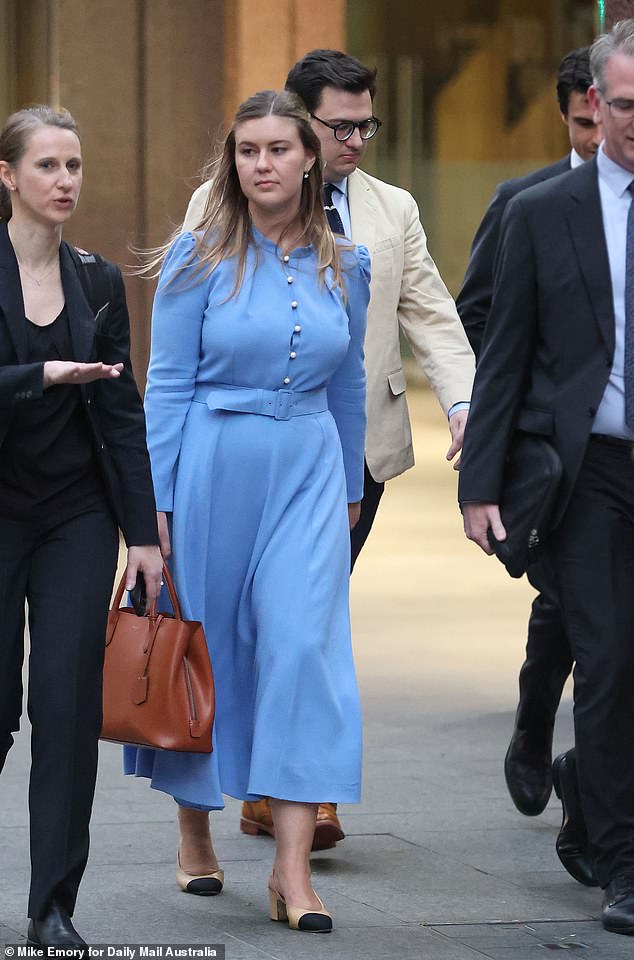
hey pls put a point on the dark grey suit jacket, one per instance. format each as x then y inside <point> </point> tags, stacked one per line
<point>113,408</point>
<point>474,299</point>
<point>549,340</point>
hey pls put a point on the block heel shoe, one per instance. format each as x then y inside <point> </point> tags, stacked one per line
<point>307,921</point>
<point>202,885</point>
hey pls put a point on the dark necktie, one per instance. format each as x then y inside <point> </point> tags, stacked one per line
<point>628,363</point>
<point>331,211</point>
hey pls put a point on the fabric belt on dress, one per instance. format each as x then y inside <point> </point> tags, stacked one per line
<point>281,404</point>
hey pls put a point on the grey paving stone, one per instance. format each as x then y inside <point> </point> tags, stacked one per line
<point>9,935</point>
<point>127,843</point>
<point>569,938</point>
<point>436,854</point>
<point>500,851</point>
<point>411,942</point>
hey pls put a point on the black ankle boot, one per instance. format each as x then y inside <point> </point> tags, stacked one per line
<point>54,929</point>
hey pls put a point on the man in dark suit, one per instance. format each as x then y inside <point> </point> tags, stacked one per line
<point>528,761</point>
<point>558,360</point>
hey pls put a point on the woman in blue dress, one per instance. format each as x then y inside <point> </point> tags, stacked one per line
<point>255,408</point>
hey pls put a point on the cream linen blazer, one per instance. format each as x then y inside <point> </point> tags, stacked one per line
<point>408,295</point>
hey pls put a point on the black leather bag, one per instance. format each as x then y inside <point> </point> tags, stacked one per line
<point>531,479</point>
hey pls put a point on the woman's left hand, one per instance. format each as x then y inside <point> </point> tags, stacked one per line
<point>148,561</point>
<point>354,512</point>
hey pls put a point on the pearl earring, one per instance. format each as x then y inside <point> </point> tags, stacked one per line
<point>306,175</point>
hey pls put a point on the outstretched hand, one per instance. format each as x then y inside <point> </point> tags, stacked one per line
<point>68,371</point>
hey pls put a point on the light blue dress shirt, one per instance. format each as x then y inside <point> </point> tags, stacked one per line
<point>615,204</point>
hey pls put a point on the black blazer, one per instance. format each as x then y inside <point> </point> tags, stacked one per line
<point>114,409</point>
<point>549,341</point>
<point>474,299</point>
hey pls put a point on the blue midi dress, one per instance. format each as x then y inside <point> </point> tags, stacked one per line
<point>255,411</point>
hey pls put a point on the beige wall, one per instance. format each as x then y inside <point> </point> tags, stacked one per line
<point>265,38</point>
<point>469,119</point>
<point>7,57</point>
<point>476,148</point>
<point>151,83</point>
<point>144,79</point>
<point>27,62</point>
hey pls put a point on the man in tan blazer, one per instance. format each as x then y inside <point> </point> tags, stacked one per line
<point>407,295</point>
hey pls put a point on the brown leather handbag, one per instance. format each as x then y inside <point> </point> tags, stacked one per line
<point>158,688</point>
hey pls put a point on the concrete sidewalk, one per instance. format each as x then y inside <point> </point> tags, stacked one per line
<point>437,863</point>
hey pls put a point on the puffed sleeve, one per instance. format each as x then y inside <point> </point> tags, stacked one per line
<point>346,390</point>
<point>177,318</point>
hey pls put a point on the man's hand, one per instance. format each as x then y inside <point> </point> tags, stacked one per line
<point>354,512</point>
<point>457,423</point>
<point>148,561</point>
<point>478,517</point>
<point>68,371</point>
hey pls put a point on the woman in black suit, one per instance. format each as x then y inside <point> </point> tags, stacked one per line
<point>73,468</point>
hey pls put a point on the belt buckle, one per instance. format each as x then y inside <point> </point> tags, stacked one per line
<point>283,404</point>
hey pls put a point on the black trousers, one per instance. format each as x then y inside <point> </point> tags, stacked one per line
<point>372,493</point>
<point>592,552</point>
<point>66,575</point>
<point>548,660</point>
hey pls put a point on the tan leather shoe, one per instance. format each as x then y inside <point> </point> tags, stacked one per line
<point>328,828</point>
<point>257,820</point>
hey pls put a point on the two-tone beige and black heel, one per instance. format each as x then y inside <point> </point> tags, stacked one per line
<point>203,885</point>
<point>308,921</point>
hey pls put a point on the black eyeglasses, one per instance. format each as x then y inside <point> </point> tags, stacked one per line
<point>344,130</point>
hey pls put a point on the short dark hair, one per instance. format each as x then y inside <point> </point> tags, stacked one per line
<point>574,76</point>
<point>329,68</point>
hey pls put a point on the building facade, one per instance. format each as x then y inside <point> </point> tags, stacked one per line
<point>466,93</point>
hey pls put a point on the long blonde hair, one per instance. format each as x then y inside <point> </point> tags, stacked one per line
<point>224,229</point>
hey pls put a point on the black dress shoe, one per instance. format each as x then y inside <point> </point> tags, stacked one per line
<point>572,841</point>
<point>54,929</point>
<point>618,905</point>
<point>527,770</point>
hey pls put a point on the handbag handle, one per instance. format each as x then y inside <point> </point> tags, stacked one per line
<point>171,589</point>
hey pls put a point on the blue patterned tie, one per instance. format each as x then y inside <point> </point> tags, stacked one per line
<point>628,364</point>
<point>335,221</point>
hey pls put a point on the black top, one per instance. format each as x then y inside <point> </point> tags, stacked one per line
<point>48,471</point>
